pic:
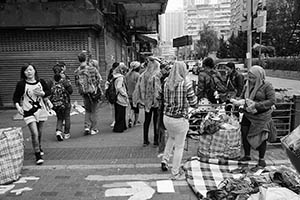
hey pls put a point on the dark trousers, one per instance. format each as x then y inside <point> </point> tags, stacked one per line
<point>247,147</point>
<point>161,130</point>
<point>120,118</point>
<point>148,116</point>
<point>64,116</point>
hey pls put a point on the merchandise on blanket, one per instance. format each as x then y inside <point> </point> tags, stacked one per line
<point>11,154</point>
<point>203,175</point>
<point>291,144</point>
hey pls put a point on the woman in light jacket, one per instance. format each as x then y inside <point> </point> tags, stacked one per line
<point>122,98</point>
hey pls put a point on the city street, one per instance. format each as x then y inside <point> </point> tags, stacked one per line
<point>104,166</point>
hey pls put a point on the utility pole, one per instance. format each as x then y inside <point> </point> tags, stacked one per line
<point>249,33</point>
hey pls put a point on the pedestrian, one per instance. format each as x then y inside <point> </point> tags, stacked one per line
<point>161,129</point>
<point>146,94</point>
<point>108,81</point>
<point>235,85</point>
<point>206,83</point>
<point>87,80</point>
<point>257,125</point>
<point>29,100</point>
<point>61,89</point>
<point>178,96</point>
<point>234,81</point>
<point>131,79</point>
<point>122,98</point>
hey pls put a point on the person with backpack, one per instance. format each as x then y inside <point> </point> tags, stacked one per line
<point>108,85</point>
<point>61,89</point>
<point>29,100</point>
<point>131,79</point>
<point>210,83</point>
<point>121,98</point>
<point>87,80</point>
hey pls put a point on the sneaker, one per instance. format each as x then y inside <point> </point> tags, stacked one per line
<point>38,158</point>
<point>41,152</point>
<point>67,136</point>
<point>59,136</point>
<point>245,158</point>
<point>164,166</point>
<point>112,124</point>
<point>129,123</point>
<point>178,176</point>
<point>87,131</point>
<point>94,132</point>
<point>146,144</point>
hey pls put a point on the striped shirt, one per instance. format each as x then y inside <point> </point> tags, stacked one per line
<point>177,102</point>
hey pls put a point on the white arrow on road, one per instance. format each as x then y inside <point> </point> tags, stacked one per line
<point>138,191</point>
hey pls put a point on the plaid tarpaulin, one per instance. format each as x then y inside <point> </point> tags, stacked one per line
<point>11,154</point>
<point>204,174</point>
<point>222,144</point>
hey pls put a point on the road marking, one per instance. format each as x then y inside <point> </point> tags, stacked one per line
<point>25,179</point>
<point>21,190</point>
<point>151,183</point>
<point>5,188</point>
<point>131,177</point>
<point>138,191</point>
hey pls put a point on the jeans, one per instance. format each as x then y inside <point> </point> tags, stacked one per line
<point>64,117</point>
<point>91,113</point>
<point>177,129</point>
<point>148,116</point>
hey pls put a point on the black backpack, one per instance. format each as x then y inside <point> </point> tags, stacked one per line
<point>59,96</point>
<point>110,92</point>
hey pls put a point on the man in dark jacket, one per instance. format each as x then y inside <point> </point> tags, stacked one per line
<point>206,84</point>
<point>234,80</point>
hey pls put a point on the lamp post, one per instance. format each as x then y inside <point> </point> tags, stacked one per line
<point>249,34</point>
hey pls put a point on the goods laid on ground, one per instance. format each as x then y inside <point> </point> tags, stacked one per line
<point>212,179</point>
<point>11,154</point>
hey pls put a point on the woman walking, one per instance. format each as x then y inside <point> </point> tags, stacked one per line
<point>178,96</point>
<point>122,98</point>
<point>28,99</point>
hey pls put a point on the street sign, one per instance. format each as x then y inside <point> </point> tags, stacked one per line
<point>182,41</point>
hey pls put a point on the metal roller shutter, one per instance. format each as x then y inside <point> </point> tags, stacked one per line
<point>43,48</point>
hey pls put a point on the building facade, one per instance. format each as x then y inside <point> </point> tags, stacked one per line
<point>215,13</point>
<point>44,32</point>
<point>171,26</point>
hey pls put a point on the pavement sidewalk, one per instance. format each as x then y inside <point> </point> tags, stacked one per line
<point>117,159</point>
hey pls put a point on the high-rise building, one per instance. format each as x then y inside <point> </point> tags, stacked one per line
<point>171,26</point>
<point>238,9</point>
<point>214,13</point>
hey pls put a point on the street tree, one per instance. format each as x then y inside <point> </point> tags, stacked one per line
<point>208,41</point>
<point>223,51</point>
<point>283,26</point>
<point>238,45</point>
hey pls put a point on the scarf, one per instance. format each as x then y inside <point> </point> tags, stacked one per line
<point>260,75</point>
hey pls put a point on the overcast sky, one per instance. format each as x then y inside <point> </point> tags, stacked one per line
<point>174,5</point>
